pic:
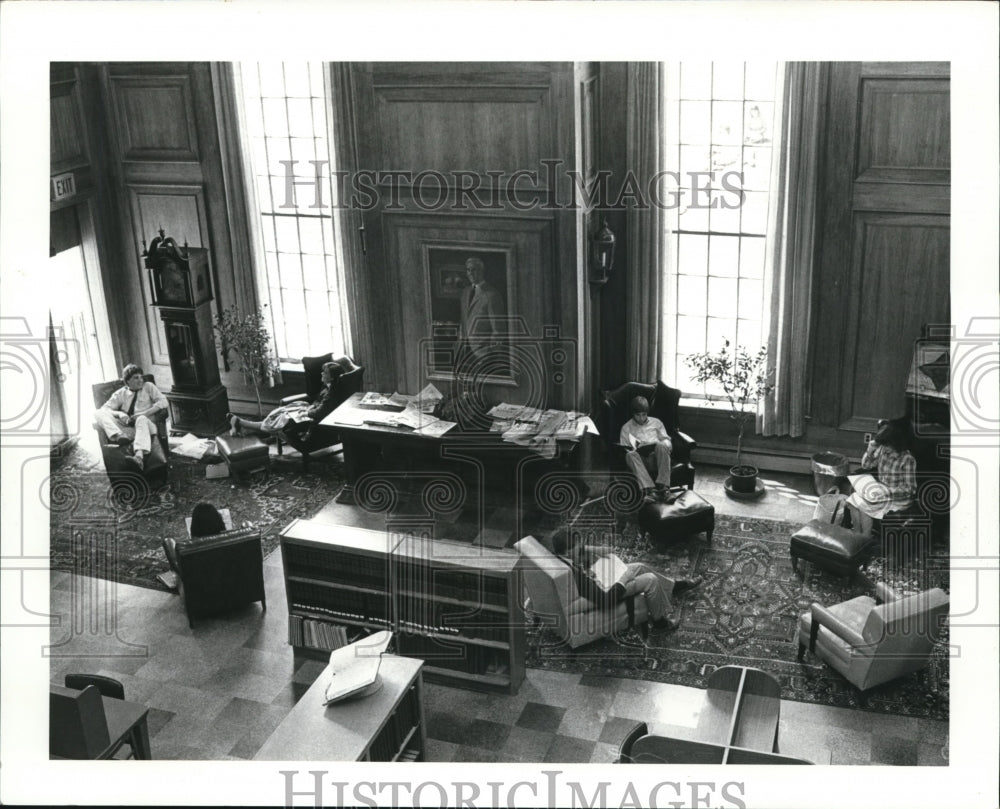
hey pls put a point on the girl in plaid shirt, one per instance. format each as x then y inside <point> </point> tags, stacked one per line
<point>894,466</point>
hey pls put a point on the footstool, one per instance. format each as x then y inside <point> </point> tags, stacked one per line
<point>831,547</point>
<point>689,514</point>
<point>242,453</point>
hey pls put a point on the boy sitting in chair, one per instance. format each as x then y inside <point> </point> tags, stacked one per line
<point>648,449</point>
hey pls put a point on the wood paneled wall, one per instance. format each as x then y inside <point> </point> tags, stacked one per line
<point>472,125</point>
<point>883,268</point>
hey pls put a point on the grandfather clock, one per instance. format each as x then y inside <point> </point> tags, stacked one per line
<point>181,288</point>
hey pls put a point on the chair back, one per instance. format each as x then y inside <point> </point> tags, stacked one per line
<point>108,686</point>
<point>616,406</point>
<point>78,726</point>
<point>222,571</point>
<point>625,748</point>
<point>902,633</point>
<point>550,583</point>
<point>312,368</point>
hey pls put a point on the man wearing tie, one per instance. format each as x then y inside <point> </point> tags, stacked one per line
<point>126,417</point>
<point>482,307</point>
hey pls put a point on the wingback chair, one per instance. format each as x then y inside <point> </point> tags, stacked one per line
<point>616,409</point>
<point>119,469</point>
<point>309,438</point>
<point>871,643</point>
<point>556,602</point>
<point>221,572</point>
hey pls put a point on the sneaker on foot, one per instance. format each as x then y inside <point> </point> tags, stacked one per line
<point>649,495</point>
<point>683,585</point>
<point>666,625</point>
<point>123,440</point>
<point>235,427</point>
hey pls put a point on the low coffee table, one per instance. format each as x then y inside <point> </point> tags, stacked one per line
<point>689,514</point>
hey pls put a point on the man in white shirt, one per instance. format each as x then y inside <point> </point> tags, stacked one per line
<point>648,449</point>
<point>127,416</point>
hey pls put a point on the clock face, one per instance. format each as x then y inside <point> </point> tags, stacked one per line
<point>173,284</point>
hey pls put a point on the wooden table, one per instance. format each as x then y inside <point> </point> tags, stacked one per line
<point>346,731</point>
<point>738,724</point>
<point>496,463</point>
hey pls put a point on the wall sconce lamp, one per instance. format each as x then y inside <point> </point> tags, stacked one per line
<point>602,257</point>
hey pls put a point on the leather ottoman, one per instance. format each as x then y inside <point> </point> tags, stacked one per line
<point>242,453</point>
<point>831,547</point>
<point>689,514</point>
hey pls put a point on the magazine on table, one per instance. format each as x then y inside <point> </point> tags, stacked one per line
<point>608,571</point>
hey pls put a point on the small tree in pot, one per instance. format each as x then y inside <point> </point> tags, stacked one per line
<point>247,336</point>
<point>745,379</point>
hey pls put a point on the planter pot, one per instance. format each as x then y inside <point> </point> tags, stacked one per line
<point>743,479</point>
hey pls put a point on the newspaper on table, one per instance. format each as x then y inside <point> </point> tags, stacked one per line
<point>436,428</point>
<point>354,668</point>
<point>515,412</point>
<point>190,446</point>
<point>427,399</point>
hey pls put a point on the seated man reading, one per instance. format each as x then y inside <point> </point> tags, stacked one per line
<point>648,449</point>
<point>298,415</point>
<point>637,578</point>
<point>127,416</point>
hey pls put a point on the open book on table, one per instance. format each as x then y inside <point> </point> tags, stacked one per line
<point>353,669</point>
<point>608,571</point>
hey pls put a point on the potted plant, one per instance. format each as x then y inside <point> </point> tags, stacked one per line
<point>247,336</point>
<point>745,379</point>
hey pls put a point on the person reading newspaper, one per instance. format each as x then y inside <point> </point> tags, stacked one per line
<point>606,581</point>
<point>648,449</point>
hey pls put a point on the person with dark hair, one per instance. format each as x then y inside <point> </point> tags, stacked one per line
<point>298,415</point>
<point>648,449</point>
<point>126,417</point>
<point>888,455</point>
<point>206,521</point>
<point>638,578</point>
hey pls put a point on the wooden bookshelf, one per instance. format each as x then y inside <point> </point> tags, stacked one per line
<point>385,726</point>
<point>453,605</point>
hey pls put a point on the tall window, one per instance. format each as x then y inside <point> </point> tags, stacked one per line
<point>720,122</point>
<point>286,130</point>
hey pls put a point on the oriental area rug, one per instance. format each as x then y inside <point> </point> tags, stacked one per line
<point>745,613</point>
<point>80,496</point>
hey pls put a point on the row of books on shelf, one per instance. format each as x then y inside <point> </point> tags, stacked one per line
<point>442,623</point>
<point>479,660</point>
<point>328,634</point>
<point>340,567</point>
<point>467,587</point>
<point>316,634</point>
<point>400,729</point>
<point>354,602</point>
<point>335,615</point>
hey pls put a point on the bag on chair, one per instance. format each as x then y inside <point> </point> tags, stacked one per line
<point>827,505</point>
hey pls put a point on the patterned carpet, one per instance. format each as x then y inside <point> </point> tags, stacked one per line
<point>80,498</point>
<point>745,612</point>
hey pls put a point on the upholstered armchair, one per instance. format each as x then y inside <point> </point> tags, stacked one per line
<point>221,572</point>
<point>871,642</point>
<point>664,401</point>
<point>119,469</point>
<point>556,602</point>
<point>307,438</point>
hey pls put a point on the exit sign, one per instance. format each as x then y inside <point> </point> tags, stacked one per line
<point>63,186</point>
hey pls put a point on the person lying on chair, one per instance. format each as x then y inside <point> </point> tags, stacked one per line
<point>648,449</point>
<point>638,578</point>
<point>126,417</point>
<point>298,416</point>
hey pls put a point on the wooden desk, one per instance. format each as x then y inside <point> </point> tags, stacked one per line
<point>127,720</point>
<point>737,725</point>
<point>386,726</point>
<point>86,725</point>
<point>498,463</point>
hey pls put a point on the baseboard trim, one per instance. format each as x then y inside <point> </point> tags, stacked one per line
<point>772,462</point>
